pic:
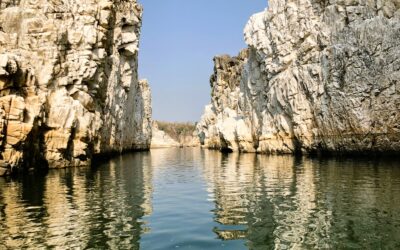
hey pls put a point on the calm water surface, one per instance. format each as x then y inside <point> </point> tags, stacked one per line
<point>200,199</point>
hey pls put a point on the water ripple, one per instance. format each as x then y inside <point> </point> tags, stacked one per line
<point>200,199</point>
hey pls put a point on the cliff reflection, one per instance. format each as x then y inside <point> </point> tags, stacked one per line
<point>78,208</point>
<point>206,200</point>
<point>281,202</point>
<point>256,198</point>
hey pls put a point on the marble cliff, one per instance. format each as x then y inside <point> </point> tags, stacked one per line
<point>69,86</point>
<point>318,76</point>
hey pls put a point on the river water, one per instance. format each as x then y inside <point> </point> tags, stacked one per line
<point>202,199</point>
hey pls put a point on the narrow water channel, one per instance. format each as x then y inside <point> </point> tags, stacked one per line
<point>201,199</point>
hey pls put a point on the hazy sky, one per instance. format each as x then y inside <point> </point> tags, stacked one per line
<point>178,41</point>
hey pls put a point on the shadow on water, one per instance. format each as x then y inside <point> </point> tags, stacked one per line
<point>201,199</point>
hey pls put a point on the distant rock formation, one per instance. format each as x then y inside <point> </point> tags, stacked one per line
<point>189,140</point>
<point>160,139</point>
<point>320,76</point>
<point>171,134</point>
<point>69,86</point>
<point>220,127</point>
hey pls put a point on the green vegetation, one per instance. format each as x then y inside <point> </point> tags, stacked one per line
<point>177,130</point>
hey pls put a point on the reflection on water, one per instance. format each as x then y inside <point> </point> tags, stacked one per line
<point>283,201</point>
<point>78,208</point>
<point>197,199</point>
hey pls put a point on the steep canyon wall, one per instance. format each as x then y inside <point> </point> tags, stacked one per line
<point>319,76</point>
<point>69,86</point>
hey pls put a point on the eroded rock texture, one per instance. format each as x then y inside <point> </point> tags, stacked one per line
<point>223,124</point>
<point>69,87</point>
<point>320,76</point>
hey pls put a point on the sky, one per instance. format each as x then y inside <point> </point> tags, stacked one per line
<point>178,41</point>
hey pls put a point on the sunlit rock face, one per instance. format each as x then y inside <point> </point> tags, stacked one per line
<point>320,76</point>
<point>160,139</point>
<point>69,87</point>
<point>189,140</point>
<point>223,124</point>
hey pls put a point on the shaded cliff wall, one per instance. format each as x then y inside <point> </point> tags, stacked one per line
<point>320,76</point>
<point>69,86</point>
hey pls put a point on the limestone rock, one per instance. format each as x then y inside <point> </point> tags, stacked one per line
<point>319,76</point>
<point>222,126</point>
<point>160,139</point>
<point>189,140</point>
<point>69,85</point>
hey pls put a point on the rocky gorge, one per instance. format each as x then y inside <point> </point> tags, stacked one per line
<point>319,76</point>
<point>69,87</point>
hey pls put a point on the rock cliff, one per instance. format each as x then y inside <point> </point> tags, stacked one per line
<point>320,76</point>
<point>69,86</point>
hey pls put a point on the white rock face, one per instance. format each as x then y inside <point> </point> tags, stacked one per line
<point>160,139</point>
<point>69,86</point>
<point>320,76</point>
<point>223,124</point>
<point>189,140</point>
